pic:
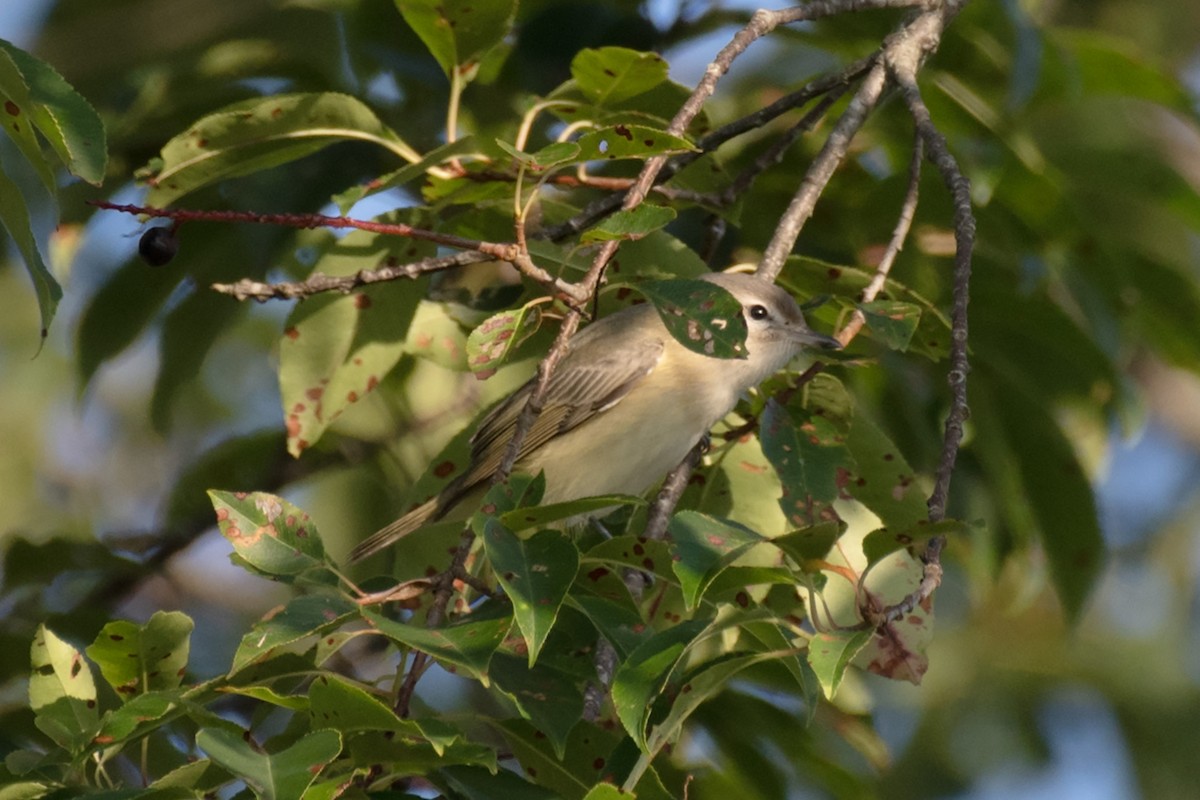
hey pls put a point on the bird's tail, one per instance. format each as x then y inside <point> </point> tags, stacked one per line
<point>390,534</point>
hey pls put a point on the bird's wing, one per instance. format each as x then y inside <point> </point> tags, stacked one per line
<point>579,389</point>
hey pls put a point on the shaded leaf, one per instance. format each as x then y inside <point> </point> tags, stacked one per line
<point>459,33</point>
<point>474,783</point>
<point>808,462</point>
<point>549,698</point>
<point>582,762</point>
<point>277,776</point>
<point>468,644</point>
<point>410,172</point>
<point>337,703</point>
<point>640,678</point>
<point>702,316</point>
<point>894,322</point>
<point>535,573</point>
<point>552,155</point>
<point>810,544</point>
<point>543,514</point>
<point>14,216</point>
<point>702,546</point>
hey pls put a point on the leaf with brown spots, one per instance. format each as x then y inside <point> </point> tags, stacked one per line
<point>336,349</point>
<point>632,223</point>
<point>535,573</point>
<point>467,644</point>
<point>702,546</point>
<point>703,317</point>
<point>629,141</point>
<point>270,535</point>
<point>136,659</point>
<point>830,654</point>
<point>609,75</point>
<point>459,33</point>
<point>284,773</point>
<point>304,618</point>
<point>493,341</point>
<point>260,133</point>
<point>62,692</point>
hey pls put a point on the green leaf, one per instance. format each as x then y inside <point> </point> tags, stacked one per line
<point>541,515</point>
<point>882,479</point>
<point>830,654</point>
<point>270,534</point>
<point>1098,63</point>
<point>303,618</point>
<point>647,555</point>
<point>633,223</point>
<point>810,544</point>
<point>608,75</point>
<point>260,133</point>
<point>468,644</point>
<point>552,155</point>
<point>704,684</point>
<point>702,316</point>
<point>808,463</point>
<point>265,694</point>
<point>135,659</point>
<point>276,776</point>
<point>71,126</point>
<point>894,322</point>
<point>535,573</point>
<point>62,692</point>
<point>337,703</point>
<point>702,547</point>
<point>640,678</point>
<point>336,349</point>
<point>459,33</point>
<point>583,762</point>
<point>409,172</point>
<point>14,216</point>
<point>881,543</point>
<point>199,776</point>
<point>809,277</point>
<point>629,141</point>
<point>606,791</point>
<point>549,698</point>
<point>141,714</point>
<point>16,121</point>
<point>494,340</point>
<point>474,783</point>
<point>622,626</point>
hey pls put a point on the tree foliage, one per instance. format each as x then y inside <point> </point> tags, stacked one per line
<point>442,185</point>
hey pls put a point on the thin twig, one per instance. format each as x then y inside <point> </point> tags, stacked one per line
<point>820,171</point>
<point>908,210</point>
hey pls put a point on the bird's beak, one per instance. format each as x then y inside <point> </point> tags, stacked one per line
<point>810,338</point>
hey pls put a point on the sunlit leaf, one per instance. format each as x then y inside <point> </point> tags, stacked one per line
<point>141,658</point>
<point>608,75</point>
<point>629,141</point>
<point>302,619</point>
<point>494,340</point>
<point>62,692</point>
<point>14,216</point>
<point>67,121</point>
<point>269,533</point>
<point>260,133</point>
<point>830,655</point>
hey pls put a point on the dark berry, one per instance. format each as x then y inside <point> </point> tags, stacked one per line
<point>158,246</point>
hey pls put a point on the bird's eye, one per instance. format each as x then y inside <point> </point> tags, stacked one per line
<point>758,312</point>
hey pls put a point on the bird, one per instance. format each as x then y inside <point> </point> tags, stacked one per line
<point>624,406</point>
